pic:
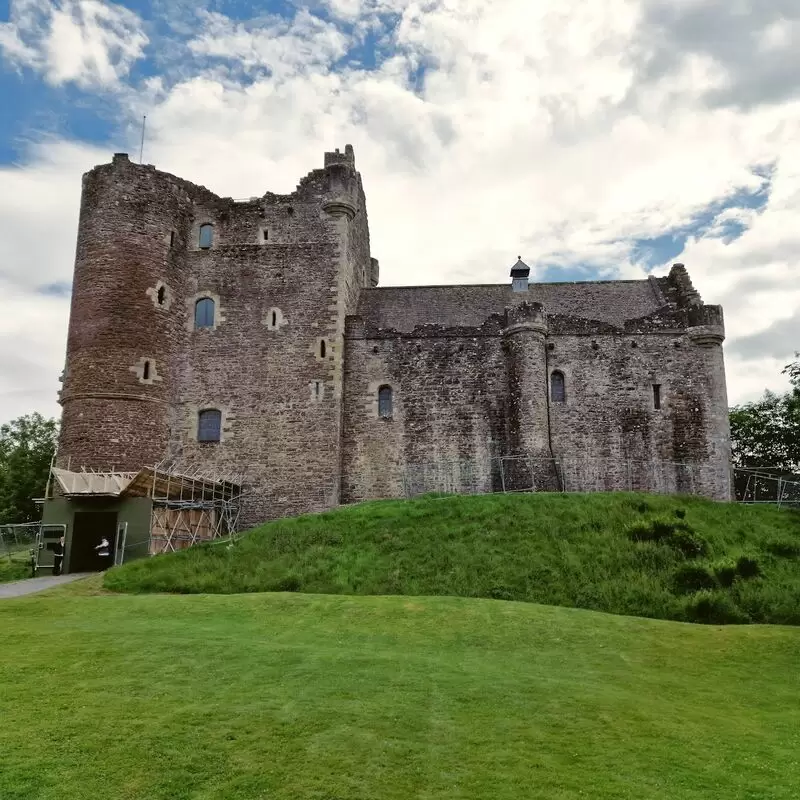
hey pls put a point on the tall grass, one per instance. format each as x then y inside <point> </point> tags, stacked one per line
<point>680,558</point>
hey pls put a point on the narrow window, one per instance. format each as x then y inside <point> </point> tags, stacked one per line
<point>172,238</point>
<point>274,319</point>
<point>558,393</point>
<point>209,425</point>
<point>206,236</point>
<point>322,349</point>
<point>656,396</point>
<point>385,402</point>
<point>146,371</point>
<point>266,235</point>
<point>317,389</point>
<point>162,295</point>
<point>204,313</point>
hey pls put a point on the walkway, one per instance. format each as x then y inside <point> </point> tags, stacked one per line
<point>31,585</point>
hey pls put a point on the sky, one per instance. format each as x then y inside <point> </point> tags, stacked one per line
<point>598,140</point>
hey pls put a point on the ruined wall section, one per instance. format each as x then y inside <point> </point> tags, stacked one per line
<point>129,269</point>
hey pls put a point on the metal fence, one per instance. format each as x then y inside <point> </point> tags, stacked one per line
<point>17,541</point>
<point>519,473</point>
<point>766,486</point>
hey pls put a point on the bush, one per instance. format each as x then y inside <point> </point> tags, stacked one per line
<point>785,548</point>
<point>500,593</point>
<point>688,543</point>
<point>677,534</point>
<point>725,572</point>
<point>693,577</point>
<point>748,567</point>
<point>680,513</point>
<point>710,607</point>
<point>288,583</point>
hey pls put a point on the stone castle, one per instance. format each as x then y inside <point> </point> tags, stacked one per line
<point>252,336</point>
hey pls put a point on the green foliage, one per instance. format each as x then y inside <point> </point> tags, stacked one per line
<point>712,607</point>
<point>784,548</point>
<point>309,697</point>
<point>27,445</point>
<point>726,572</point>
<point>766,433</point>
<point>594,551</point>
<point>694,577</point>
<point>678,535</point>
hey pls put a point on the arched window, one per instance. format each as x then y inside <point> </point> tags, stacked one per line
<point>322,348</point>
<point>209,425</point>
<point>204,313</point>
<point>385,402</point>
<point>206,236</point>
<point>146,371</point>
<point>558,392</point>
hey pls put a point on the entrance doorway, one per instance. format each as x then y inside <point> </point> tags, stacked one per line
<point>88,530</point>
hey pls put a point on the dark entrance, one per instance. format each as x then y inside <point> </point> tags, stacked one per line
<point>88,530</point>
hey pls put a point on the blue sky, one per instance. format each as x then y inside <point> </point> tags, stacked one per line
<point>600,140</point>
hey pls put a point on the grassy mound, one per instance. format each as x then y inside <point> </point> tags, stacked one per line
<point>308,697</point>
<point>676,558</point>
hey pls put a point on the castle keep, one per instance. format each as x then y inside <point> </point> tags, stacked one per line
<point>251,338</point>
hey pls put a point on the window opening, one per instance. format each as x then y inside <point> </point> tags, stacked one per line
<point>206,236</point>
<point>146,371</point>
<point>266,235</point>
<point>317,389</point>
<point>322,349</point>
<point>385,402</point>
<point>162,295</point>
<point>172,238</point>
<point>204,313</point>
<point>274,319</point>
<point>209,425</point>
<point>657,396</point>
<point>558,393</point>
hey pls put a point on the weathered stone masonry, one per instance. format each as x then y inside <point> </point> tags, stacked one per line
<point>302,339</point>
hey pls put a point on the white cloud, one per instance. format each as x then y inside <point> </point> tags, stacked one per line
<point>86,42</point>
<point>562,131</point>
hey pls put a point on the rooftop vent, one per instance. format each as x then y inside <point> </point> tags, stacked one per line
<point>519,276</point>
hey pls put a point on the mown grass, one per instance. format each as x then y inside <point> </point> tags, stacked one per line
<point>679,558</point>
<point>307,697</point>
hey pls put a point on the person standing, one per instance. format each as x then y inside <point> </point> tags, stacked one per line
<point>58,556</point>
<point>104,551</point>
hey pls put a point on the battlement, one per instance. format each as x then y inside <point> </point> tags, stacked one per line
<point>348,157</point>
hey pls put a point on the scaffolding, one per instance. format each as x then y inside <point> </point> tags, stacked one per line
<point>191,504</point>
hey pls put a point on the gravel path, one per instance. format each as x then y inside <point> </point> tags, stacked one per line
<point>31,585</point>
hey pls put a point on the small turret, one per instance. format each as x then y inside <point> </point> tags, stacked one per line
<point>519,276</point>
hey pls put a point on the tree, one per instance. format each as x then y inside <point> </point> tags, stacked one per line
<point>27,445</point>
<point>766,433</point>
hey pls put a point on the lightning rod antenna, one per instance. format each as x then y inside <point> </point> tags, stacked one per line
<point>141,150</point>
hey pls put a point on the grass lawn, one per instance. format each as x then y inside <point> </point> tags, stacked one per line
<point>680,558</point>
<point>15,568</point>
<point>309,697</point>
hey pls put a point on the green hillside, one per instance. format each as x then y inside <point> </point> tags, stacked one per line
<point>679,558</point>
<point>306,697</point>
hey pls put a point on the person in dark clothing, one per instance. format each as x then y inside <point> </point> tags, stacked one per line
<point>58,556</point>
<point>104,551</point>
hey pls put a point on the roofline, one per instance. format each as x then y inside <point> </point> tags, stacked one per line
<point>504,285</point>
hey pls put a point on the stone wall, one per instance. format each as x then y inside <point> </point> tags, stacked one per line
<point>302,343</point>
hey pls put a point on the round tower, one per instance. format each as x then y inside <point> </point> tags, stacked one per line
<point>528,427</point>
<point>116,390</point>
